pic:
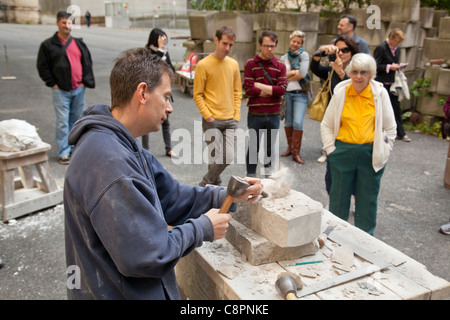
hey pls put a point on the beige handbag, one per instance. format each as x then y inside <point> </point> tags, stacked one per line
<point>320,102</point>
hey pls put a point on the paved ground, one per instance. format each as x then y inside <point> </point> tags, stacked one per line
<point>413,202</point>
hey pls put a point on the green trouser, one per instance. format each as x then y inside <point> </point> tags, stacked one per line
<point>351,165</point>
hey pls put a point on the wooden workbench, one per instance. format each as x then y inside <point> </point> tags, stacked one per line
<point>217,271</point>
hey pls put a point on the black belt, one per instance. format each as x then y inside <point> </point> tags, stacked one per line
<point>296,91</point>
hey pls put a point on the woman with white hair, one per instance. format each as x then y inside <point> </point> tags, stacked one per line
<point>358,132</point>
<point>297,64</point>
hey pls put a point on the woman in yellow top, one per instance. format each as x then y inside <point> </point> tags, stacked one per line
<point>358,133</point>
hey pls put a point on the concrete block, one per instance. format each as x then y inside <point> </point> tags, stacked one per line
<point>241,52</point>
<point>443,83</point>
<point>258,250</point>
<point>201,24</point>
<point>408,55</point>
<point>323,39</point>
<point>444,28</point>
<point>241,22</point>
<point>289,221</point>
<point>436,49</point>
<point>323,25</point>
<point>433,73</point>
<point>438,15</point>
<point>290,21</point>
<point>426,17</point>
<point>373,37</point>
<point>430,106</point>
<point>399,10</point>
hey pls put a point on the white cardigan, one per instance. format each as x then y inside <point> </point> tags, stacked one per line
<point>385,125</point>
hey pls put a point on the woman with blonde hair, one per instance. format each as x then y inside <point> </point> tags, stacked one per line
<point>297,63</point>
<point>387,56</point>
<point>358,132</point>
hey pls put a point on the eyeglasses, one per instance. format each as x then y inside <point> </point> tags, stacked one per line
<point>266,46</point>
<point>362,73</point>
<point>345,50</point>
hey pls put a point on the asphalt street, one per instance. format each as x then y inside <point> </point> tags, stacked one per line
<point>412,203</point>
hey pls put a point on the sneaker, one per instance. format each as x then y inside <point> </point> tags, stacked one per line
<point>445,229</point>
<point>405,138</point>
<point>64,160</point>
<point>322,159</point>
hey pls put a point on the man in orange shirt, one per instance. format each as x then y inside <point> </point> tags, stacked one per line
<point>218,94</point>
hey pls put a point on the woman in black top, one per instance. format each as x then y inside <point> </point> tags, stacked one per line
<point>157,42</point>
<point>387,56</point>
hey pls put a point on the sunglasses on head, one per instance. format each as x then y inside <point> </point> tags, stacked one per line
<point>345,50</point>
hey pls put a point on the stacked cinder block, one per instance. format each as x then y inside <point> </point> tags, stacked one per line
<point>436,49</point>
<point>284,23</point>
<point>278,228</point>
<point>248,27</point>
<point>203,26</point>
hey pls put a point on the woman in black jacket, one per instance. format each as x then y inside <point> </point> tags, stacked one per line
<point>157,42</point>
<point>387,56</point>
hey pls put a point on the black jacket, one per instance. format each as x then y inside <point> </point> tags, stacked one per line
<point>383,56</point>
<point>54,67</point>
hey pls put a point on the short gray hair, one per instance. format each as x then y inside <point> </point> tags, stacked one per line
<point>298,33</point>
<point>362,61</point>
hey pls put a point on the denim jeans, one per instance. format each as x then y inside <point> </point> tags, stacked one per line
<point>69,106</point>
<point>295,109</point>
<point>259,126</point>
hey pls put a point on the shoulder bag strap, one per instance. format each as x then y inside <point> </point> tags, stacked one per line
<point>266,74</point>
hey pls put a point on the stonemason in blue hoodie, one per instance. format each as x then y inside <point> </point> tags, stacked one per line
<point>119,202</point>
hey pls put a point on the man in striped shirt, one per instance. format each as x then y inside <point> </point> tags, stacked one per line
<point>265,84</point>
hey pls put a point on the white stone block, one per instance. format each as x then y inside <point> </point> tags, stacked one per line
<point>288,221</point>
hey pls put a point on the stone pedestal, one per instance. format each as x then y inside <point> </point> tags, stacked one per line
<point>281,227</point>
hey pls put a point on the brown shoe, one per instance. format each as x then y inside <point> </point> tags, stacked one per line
<point>296,146</point>
<point>288,131</point>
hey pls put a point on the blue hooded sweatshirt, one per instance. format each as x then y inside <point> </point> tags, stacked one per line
<point>119,202</point>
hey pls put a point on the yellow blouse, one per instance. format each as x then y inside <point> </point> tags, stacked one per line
<point>358,117</point>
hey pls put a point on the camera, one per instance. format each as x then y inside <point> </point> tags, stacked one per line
<point>320,53</point>
<point>332,57</point>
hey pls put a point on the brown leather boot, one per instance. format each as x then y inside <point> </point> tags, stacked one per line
<point>296,146</point>
<point>288,131</point>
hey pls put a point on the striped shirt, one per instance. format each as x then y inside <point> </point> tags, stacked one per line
<point>254,73</point>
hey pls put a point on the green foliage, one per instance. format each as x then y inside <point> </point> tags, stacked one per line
<point>437,4</point>
<point>231,5</point>
<point>424,127</point>
<point>419,85</point>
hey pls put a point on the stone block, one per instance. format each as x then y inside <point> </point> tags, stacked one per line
<point>290,21</point>
<point>436,49</point>
<point>426,17</point>
<point>444,28</point>
<point>408,55</point>
<point>433,73</point>
<point>201,24</point>
<point>438,15</point>
<point>399,10</point>
<point>241,22</point>
<point>289,221</point>
<point>373,37</point>
<point>241,52</point>
<point>323,25</point>
<point>430,106</point>
<point>258,250</point>
<point>443,84</point>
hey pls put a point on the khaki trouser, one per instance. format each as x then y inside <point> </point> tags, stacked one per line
<point>220,151</point>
